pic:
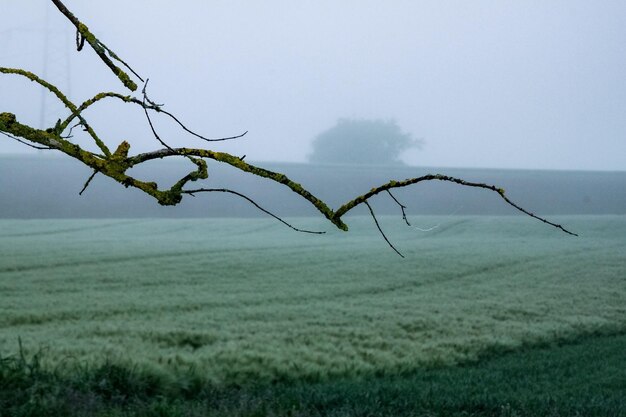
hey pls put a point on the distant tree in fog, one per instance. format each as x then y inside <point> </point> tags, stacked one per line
<point>381,142</point>
<point>361,141</point>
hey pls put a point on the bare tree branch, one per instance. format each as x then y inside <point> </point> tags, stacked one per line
<point>201,172</point>
<point>154,132</point>
<point>398,184</point>
<point>23,142</point>
<point>88,182</point>
<point>402,207</point>
<point>238,163</point>
<point>225,190</point>
<point>130,99</point>
<point>99,48</point>
<point>69,134</point>
<point>381,230</point>
<point>115,165</point>
<point>54,90</point>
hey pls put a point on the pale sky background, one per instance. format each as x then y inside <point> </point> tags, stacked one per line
<point>496,84</point>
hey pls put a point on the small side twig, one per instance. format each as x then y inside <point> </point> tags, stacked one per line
<point>115,165</point>
<point>157,108</point>
<point>23,142</point>
<point>430,177</point>
<point>99,48</point>
<point>533,215</point>
<point>120,60</point>
<point>254,203</point>
<point>144,92</point>
<point>145,110</point>
<point>63,98</point>
<point>402,207</point>
<point>381,230</point>
<point>191,132</point>
<point>69,134</point>
<point>95,171</point>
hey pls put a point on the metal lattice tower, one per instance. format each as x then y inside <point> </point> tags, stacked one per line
<point>56,69</point>
<point>46,50</point>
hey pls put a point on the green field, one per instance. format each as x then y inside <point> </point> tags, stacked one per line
<point>247,301</point>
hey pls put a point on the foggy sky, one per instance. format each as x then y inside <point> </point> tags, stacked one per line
<point>496,84</point>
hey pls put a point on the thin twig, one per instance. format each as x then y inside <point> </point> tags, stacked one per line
<point>156,135</point>
<point>236,162</point>
<point>402,207</point>
<point>159,109</point>
<point>116,167</point>
<point>191,132</point>
<point>523,210</point>
<point>430,177</point>
<point>144,91</point>
<point>225,190</point>
<point>381,230</point>
<point>120,60</point>
<point>99,48</point>
<point>69,134</point>
<point>156,108</point>
<point>47,148</point>
<point>145,110</point>
<point>54,90</point>
<point>95,171</point>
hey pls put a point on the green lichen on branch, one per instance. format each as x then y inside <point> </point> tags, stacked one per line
<point>34,78</point>
<point>245,167</point>
<point>115,165</point>
<point>99,48</point>
<point>63,99</point>
<point>93,100</point>
<point>399,184</point>
<point>9,124</point>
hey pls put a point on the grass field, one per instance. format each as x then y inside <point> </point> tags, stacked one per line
<point>239,302</point>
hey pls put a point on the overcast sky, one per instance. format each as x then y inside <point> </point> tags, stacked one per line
<point>498,84</point>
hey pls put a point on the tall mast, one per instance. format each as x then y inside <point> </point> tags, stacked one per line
<point>55,69</point>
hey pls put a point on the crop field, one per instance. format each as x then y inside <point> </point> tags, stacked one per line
<point>245,299</point>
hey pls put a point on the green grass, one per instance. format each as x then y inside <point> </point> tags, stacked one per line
<point>207,305</point>
<point>587,378</point>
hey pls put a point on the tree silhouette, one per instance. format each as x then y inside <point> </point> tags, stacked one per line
<point>366,142</point>
<point>115,164</point>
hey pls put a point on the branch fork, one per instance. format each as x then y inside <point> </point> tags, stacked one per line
<point>116,164</point>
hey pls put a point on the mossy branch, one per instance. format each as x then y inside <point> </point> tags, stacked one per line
<point>238,163</point>
<point>334,216</point>
<point>115,165</point>
<point>438,177</point>
<point>119,162</point>
<point>100,48</point>
<point>60,127</point>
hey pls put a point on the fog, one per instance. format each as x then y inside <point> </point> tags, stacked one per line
<point>493,84</point>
